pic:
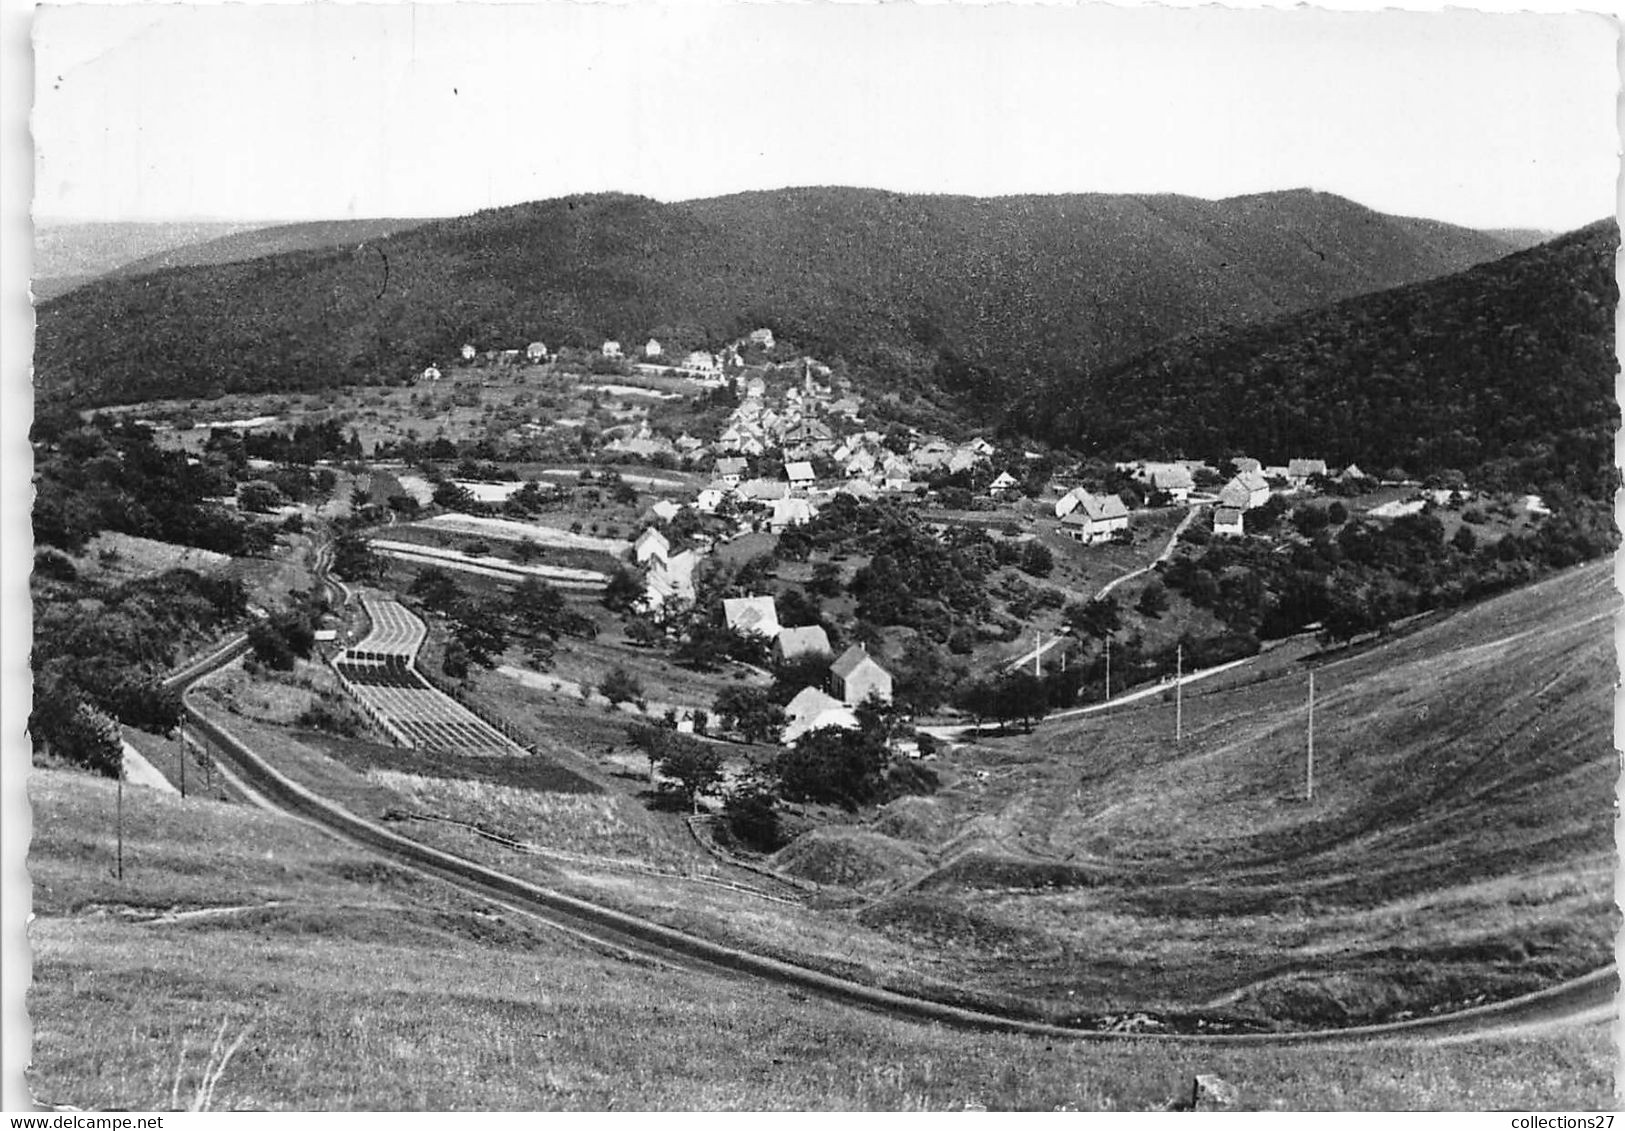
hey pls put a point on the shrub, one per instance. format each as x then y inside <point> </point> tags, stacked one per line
<point>753,818</point>
<point>620,686</point>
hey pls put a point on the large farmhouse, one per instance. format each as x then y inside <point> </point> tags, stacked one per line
<point>1094,518</point>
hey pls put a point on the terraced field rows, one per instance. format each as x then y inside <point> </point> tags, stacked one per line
<point>378,674</point>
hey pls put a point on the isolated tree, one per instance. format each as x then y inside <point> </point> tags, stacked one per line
<point>258,496</point>
<point>1153,600</point>
<point>1037,559</point>
<point>527,550</point>
<point>751,712</point>
<point>695,766</point>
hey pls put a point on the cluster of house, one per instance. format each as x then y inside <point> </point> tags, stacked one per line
<point>850,678</point>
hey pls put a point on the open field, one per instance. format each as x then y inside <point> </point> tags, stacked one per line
<point>363,986</point>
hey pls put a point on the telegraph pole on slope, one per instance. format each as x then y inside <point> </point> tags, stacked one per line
<point>1108,667</point>
<point>1309,767</point>
<point>1038,653</point>
<point>1179,692</point>
<point>182,729</point>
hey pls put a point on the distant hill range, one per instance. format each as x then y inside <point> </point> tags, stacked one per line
<point>1506,369</point>
<point>980,295</point>
<point>69,255</point>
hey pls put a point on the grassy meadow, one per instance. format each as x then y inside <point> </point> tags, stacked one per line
<point>356,985</point>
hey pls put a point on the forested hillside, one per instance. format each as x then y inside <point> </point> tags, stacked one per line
<point>923,291</point>
<point>1505,371</point>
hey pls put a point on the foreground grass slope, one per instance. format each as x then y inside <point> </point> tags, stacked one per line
<point>362,986</point>
<point>1459,844</point>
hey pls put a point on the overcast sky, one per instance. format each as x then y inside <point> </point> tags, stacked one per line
<point>322,110</point>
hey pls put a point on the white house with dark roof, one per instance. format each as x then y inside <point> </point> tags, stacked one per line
<point>856,675</point>
<point>469,353</point>
<point>651,348</point>
<point>752,616</point>
<point>610,348</point>
<point>1227,521</point>
<point>1094,518</point>
<point>432,373</point>
<point>1003,485</point>
<point>702,364</point>
<point>799,475</point>
<point>710,498</point>
<point>536,351</point>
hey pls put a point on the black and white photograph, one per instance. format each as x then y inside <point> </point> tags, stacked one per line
<point>758,556</point>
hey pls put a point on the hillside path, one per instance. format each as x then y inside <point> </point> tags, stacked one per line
<point>1167,552</point>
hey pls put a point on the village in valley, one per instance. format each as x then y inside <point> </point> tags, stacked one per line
<point>741,550</point>
<point>1035,557</point>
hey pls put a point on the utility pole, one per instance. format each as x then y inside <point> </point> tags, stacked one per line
<point>1179,692</point>
<point>118,868</point>
<point>1108,667</point>
<point>1309,767</point>
<point>182,729</point>
<point>1038,653</point>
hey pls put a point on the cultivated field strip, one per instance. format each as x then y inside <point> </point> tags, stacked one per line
<point>378,675</point>
<point>396,632</point>
<point>560,576</point>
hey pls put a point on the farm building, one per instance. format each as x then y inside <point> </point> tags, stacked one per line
<point>731,469</point>
<point>752,616</point>
<point>812,710</point>
<point>1095,518</point>
<point>794,643</point>
<point>856,675</point>
<point>1227,520</point>
<point>610,348</point>
<point>790,512</point>
<point>799,475</point>
<point>651,348</point>
<point>469,352</point>
<point>536,351</point>
<point>650,544</point>
<point>1298,471</point>
<point>1003,485</point>
<point>432,373</point>
<point>1247,490</point>
<point>1172,479</point>
<point>669,579</point>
